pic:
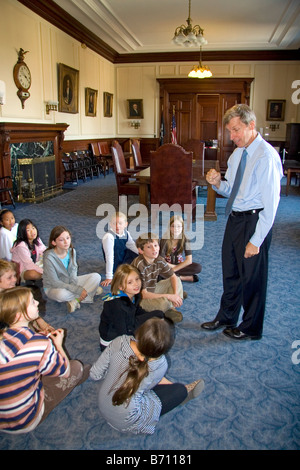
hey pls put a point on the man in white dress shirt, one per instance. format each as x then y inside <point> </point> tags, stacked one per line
<point>248,231</point>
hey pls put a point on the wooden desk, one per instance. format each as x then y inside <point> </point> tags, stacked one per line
<point>143,178</point>
<point>290,173</point>
<point>291,167</point>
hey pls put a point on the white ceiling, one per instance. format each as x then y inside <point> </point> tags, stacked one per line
<point>135,26</point>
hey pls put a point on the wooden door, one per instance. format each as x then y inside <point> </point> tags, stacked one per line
<point>184,106</point>
<point>226,145</point>
<point>199,109</point>
<point>209,120</point>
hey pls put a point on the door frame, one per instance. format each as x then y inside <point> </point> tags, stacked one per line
<point>221,86</point>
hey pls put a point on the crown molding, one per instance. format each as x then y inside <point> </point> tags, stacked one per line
<point>228,56</point>
<point>58,17</point>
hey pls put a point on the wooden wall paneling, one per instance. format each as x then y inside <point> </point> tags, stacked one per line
<point>184,115</point>
<point>226,145</point>
<point>178,92</point>
<point>209,122</point>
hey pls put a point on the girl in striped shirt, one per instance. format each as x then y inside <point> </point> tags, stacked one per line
<point>31,365</point>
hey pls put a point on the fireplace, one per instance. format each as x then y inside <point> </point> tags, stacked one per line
<point>31,155</point>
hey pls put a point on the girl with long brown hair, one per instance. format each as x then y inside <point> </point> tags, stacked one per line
<point>60,278</point>
<point>176,249</point>
<point>134,391</point>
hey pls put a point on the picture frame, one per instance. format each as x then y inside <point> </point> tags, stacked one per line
<point>91,102</point>
<point>107,104</point>
<point>276,110</point>
<point>68,88</point>
<point>135,109</point>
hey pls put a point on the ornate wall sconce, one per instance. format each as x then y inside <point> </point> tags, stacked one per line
<point>135,124</point>
<point>273,127</point>
<point>2,92</point>
<point>51,106</point>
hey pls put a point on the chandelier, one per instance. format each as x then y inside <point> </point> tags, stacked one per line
<point>188,35</point>
<point>200,71</point>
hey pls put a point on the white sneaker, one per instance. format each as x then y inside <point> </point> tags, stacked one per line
<point>72,305</point>
<point>99,290</point>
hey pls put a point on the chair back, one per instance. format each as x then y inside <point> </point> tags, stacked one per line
<point>95,149</point>
<point>137,158</point>
<point>171,176</point>
<point>119,163</point>
<point>6,186</point>
<point>198,149</point>
<point>103,148</point>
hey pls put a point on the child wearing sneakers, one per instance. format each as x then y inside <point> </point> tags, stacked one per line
<point>134,392</point>
<point>165,295</point>
<point>60,279</point>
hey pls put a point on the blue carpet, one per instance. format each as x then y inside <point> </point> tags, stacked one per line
<point>251,395</point>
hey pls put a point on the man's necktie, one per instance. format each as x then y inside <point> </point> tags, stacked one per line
<point>237,182</point>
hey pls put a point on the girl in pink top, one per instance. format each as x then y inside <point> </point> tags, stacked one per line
<point>27,251</point>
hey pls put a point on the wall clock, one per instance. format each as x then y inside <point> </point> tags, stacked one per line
<point>22,77</point>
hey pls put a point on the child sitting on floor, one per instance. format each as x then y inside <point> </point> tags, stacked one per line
<point>8,274</point>
<point>8,280</point>
<point>60,279</point>
<point>31,365</point>
<point>118,246</point>
<point>175,248</point>
<point>8,233</point>
<point>134,392</point>
<point>122,313</point>
<point>166,294</point>
<point>27,251</point>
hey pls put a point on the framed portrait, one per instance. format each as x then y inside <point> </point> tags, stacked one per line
<point>135,109</point>
<point>107,104</point>
<point>68,83</point>
<point>276,110</point>
<point>91,102</point>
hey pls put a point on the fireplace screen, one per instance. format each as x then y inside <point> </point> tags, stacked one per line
<point>36,179</point>
<point>33,171</point>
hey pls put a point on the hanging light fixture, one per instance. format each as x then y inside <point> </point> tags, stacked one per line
<point>200,71</point>
<point>188,35</point>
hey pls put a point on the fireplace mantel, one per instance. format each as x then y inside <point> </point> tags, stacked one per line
<point>17,132</point>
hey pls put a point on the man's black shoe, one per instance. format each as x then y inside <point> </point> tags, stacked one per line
<point>214,325</point>
<point>235,333</point>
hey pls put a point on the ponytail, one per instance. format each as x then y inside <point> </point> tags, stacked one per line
<point>153,338</point>
<point>136,372</point>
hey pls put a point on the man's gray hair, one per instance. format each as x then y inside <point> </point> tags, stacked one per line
<point>242,111</point>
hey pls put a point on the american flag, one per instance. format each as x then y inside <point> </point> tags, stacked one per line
<point>162,129</point>
<point>174,133</point>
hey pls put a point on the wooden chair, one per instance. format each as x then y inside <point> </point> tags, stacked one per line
<point>122,174</point>
<point>98,159</point>
<point>198,149</point>
<point>6,188</point>
<point>79,165</point>
<point>105,153</point>
<point>137,158</point>
<point>171,178</point>
<point>92,164</point>
<point>70,171</point>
